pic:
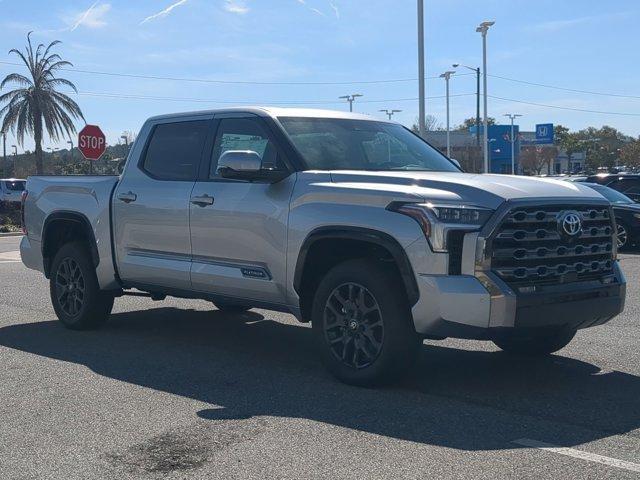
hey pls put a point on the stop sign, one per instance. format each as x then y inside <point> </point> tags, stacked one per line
<point>92,142</point>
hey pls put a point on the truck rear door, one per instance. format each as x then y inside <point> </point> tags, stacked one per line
<point>151,205</point>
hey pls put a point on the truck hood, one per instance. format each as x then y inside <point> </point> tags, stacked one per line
<point>482,190</point>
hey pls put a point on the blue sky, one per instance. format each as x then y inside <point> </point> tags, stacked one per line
<point>579,44</point>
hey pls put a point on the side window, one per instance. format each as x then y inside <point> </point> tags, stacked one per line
<point>175,150</point>
<point>244,134</point>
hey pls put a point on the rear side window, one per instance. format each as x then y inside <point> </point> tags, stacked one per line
<point>14,186</point>
<point>175,149</point>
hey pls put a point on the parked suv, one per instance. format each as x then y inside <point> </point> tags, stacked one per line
<point>627,184</point>
<point>353,224</point>
<point>11,190</point>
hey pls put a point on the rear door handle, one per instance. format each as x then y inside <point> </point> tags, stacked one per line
<point>202,201</point>
<point>127,197</point>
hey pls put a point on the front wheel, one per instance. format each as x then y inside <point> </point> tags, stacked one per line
<point>362,324</point>
<point>536,344</point>
<point>622,235</point>
<point>75,294</point>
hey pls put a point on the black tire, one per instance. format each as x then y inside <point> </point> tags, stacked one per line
<point>79,303</point>
<point>384,340</point>
<point>230,308</point>
<point>536,344</point>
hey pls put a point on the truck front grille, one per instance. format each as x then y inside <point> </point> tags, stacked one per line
<point>529,249</point>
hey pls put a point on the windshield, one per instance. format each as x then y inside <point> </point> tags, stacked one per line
<point>613,196</point>
<point>16,186</point>
<point>343,144</point>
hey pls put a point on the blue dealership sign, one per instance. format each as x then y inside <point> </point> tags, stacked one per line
<point>544,133</point>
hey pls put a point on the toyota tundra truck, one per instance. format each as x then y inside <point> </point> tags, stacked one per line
<point>355,225</point>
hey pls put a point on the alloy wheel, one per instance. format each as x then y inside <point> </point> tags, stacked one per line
<point>621,236</point>
<point>70,287</point>
<point>353,325</point>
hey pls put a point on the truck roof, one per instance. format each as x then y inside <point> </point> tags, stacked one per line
<point>275,112</point>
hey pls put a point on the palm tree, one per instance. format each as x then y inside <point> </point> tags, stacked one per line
<point>36,104</point>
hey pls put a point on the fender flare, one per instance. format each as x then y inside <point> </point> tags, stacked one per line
<point>70,216</point>
<point>368,235</point>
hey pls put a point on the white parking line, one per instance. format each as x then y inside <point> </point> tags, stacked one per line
<point>571,452</point>
<point>10,257</point>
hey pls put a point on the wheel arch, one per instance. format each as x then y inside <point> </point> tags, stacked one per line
<point>308,269</point>
<point>62,226</point>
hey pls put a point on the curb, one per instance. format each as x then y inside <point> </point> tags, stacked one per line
<point>11,234</point>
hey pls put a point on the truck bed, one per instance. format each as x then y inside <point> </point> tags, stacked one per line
<point>87,196</point>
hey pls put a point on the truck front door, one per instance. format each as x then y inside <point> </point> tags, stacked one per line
<point>239,228</point>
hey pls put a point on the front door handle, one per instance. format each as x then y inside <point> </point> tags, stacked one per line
<point>202,201</point>
<point>127,197</point>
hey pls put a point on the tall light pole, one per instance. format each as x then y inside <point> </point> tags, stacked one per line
<point>447,75</point>
<point>421,94</point>
<point>513,116</point>
<point>351,99</point>
<point>477,70</point>
<point>390,113</point>
<point>126,140</point>
<point>4,150</point>
<point>483,29</point>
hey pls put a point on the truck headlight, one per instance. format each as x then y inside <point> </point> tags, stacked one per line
<point>436,220</point>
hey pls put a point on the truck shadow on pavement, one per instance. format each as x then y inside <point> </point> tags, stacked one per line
<point>247,366</point>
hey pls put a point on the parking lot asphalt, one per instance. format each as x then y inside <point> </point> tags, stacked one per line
<point>177,389</point>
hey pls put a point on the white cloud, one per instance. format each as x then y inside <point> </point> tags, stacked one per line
<point>165,12</point>
<point>317,12</point>
<point>93,17</point>
<point>236,6</point>
<point>335,9</point>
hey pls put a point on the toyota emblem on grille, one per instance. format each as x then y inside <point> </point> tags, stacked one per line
<point>570,224</point>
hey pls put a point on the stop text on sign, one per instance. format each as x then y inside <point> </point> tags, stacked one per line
<point>92,142</point>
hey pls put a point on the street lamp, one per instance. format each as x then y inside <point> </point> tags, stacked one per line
<point>390,113</point>
<point>513,116</point>
<point>4,149</point>
<point>351,99</point>
<point>483,28</point>
<point>447,75</point>
<point>477,70</point>
<point>15,150</point>
<point>126,140</point>
<point>422,128</point>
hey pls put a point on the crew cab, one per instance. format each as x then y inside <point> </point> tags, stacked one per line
<point>353,224</point>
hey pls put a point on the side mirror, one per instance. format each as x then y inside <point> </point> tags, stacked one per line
<point>456,163</point>
<point>239,162</point>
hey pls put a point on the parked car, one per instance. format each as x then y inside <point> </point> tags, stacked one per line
<point>11,190</point>
<point>628,184</point>
<point>353,224</point>
<point>627,214</point>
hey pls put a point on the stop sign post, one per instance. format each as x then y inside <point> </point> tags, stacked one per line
<point>92,143</point>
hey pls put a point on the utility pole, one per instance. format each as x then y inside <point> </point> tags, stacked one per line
<point>513,116</point>
<point>447,75</point>
<point>390,113</point>
<point>351,99</point>
<point>483,29</point>
<point>421,93</point>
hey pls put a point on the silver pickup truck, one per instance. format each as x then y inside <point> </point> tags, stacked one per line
<point>353,224</point>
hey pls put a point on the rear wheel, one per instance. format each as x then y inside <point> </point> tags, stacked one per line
<point>362,324</point>
<point>76,297</point>
<point>535,344</point>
